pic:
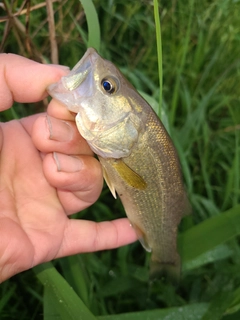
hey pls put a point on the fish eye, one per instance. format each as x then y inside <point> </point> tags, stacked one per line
<point>109,85</point>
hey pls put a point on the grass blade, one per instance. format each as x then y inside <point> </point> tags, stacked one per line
<point>182,63</point>
<point>94,38</point>
<point>50,309</point>
<point>4,299</point>
<point>74,271</point>
<point>209,234</point>
<point>218,253</point>
<point>194,311</point>
<point>218,306</point>
<point>234,306</point>
<point>159,53</point>
<point>64,301</point>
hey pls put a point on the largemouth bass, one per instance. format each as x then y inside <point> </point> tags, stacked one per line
<point>139,160</point>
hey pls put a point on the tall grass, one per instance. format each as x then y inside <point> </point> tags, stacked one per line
<point>200,107</point>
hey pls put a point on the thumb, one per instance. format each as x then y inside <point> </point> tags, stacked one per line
<point>24,80</point>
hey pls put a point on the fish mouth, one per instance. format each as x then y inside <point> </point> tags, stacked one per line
<point>78,82</point>
<point>81,70</point>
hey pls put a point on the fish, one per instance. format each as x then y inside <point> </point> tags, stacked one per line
<point>140,163</point>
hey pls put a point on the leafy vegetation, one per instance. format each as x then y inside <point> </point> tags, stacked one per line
<point>200,108</point>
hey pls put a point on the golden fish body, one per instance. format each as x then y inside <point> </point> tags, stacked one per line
<point>139,160</point>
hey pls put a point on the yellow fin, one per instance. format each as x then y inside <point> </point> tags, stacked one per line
<point>129,176</point>
<point>141,237</point>
<point>109,183</point>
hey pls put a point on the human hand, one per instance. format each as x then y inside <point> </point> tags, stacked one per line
<point>47,172</point>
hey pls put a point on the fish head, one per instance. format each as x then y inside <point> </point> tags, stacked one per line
<point>109,114</point>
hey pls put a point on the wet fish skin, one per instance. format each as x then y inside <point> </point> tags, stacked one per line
<point>138,157</point>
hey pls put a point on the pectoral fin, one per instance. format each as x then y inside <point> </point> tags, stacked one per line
<point>129,176</point>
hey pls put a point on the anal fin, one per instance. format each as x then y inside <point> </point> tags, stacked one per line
<point>141,237</point>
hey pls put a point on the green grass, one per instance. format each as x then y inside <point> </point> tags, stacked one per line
<point>200,108</point>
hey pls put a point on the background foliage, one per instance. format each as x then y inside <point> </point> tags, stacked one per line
<point>201,76</point>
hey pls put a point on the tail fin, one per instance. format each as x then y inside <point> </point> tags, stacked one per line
<point>165,270</point>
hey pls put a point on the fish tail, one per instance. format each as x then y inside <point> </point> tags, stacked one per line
<point>165,270</point>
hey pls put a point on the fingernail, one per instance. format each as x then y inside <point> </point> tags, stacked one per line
<point>66,163</point>
<point>59,130</point>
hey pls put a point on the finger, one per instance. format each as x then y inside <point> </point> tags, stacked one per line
<point>87,236</point>
<point>24,80</point>
<point>59,110</point>
<point>50,134</point>
<point>78,179</point>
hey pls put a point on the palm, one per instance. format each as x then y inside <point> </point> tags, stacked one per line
<point>32,212</point>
